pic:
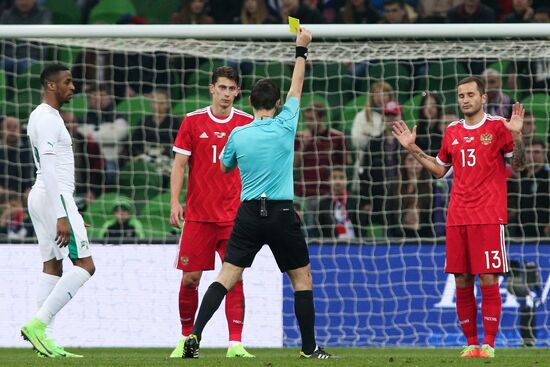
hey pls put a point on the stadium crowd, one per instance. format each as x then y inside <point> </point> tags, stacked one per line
<point>274,11</point>
<point>352,179</point>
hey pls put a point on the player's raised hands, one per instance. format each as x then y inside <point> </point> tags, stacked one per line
<point>403,134</point>
<point>303,38</point>
<point>176,215</point>
<point>516,120</point>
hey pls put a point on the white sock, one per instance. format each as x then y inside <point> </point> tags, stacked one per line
<point>233,343</point>
<point>46,283</point>
<point>63,292</point>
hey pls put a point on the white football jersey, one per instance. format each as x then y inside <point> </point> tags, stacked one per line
<point>48,135</point>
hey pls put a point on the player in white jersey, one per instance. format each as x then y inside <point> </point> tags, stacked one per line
<point>59,227</point>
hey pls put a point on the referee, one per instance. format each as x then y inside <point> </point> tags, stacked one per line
<point>264,153</point>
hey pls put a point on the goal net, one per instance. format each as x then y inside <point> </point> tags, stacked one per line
<point>379,274</point>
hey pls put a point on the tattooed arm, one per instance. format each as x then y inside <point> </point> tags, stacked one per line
<point>515,125</point>
<point>407,139</point>
<point>518,156</point>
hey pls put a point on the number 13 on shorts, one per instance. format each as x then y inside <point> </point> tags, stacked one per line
<point>493,259</point>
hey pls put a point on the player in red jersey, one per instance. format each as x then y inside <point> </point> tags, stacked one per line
<point>475,148</point>
<point>211,204</point>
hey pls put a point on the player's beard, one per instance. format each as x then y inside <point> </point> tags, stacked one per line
<point>471,113</point>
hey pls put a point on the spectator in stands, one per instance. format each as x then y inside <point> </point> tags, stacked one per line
<point>16,161</point>
<point>430,125</point>
<point>88,162</point>
<point>123,225</point>
<point>379,4</point>
<point>471,11</point>
<point>528,77</point>
<point>26,12</point>
<point>542,15</point>
<point>154,139</point>
<point>4,5</point>
<point>339,215</point>
<point>253,12</point>
<point>395,12</point>
<point>106,128</point>
<point>435,11</point>
<point>192,12</point>
<point>12,218</point>
<point>529,128</point>
<point>530,195</point>
<point>369,122</point>
<point>522,13</point>
<point>93,67</point>
<point>17,55</point>
<point>413,193</point>
<point>296,9</point>
<point>498,103</point>
<point>330,9</point>
<point>358,12</point>
<point>318,149</point>
<point>225,11</point>
<point>380,165</point>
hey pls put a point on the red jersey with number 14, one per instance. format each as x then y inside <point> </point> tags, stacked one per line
<point>212,196</point>
<point>477,154</point>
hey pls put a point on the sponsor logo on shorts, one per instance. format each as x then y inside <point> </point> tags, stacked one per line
<point>84,244</point>
<point>184,260</point>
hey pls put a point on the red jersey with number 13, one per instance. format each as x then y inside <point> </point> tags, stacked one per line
<point>212,196</point>
<point>477,154</point>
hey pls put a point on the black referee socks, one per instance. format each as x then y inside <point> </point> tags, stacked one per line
<point>305,314</point>
<point>209,305</point>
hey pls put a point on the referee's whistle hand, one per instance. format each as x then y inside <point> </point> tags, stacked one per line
<point>63,232</point>
<point>176,215</point>
<point>303,38</point>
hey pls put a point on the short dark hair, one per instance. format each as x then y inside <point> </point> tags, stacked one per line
<point>264,95</point>
<point>50,71</point>
<point>401,3</point>
<point>538,141</point>
<point>479,82</point>
<point>225,72</point>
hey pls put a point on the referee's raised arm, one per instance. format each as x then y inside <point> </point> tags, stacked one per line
<point>303,39</point>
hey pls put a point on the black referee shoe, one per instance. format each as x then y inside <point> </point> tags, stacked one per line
<point>191,347</point>
<point>318,353</point>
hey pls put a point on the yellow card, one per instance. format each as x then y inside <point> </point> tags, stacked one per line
<point>294,24</point>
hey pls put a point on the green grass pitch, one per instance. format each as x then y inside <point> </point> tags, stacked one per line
<point>287,357</point>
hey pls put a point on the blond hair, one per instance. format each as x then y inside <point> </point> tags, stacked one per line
<point>383,86</point>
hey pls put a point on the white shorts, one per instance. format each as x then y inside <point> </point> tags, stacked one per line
<point>44,222</point>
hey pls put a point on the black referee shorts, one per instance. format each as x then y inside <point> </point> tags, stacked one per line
<point>280,230</point>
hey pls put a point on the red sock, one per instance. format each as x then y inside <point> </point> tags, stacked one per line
<point>491,306</point>
<point>234,311</point>
<point>188,301</point>
<point>466,308</point>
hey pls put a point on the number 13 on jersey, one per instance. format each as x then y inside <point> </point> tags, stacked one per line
<point>468,157</point>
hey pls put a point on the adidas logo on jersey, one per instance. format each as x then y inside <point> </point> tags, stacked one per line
<point>204,135</point>
<point>455,142</point>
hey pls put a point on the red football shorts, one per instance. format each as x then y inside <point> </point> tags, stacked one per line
<point>199,243</point>
<point>476,249</point>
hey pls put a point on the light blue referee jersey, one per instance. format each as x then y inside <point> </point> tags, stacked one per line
<point>264,152</point>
